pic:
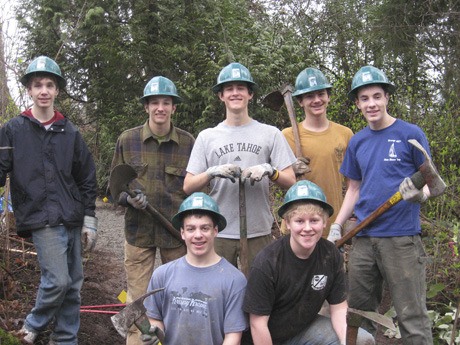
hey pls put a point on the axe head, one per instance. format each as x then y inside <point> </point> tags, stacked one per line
<point>120,177</point>
<point>430,174</point>
<point>130,314</point>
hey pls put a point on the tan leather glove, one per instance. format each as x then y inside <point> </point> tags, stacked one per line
<point>89,233</point>
<point>410,193</point>
<point>256,172</point>
<point>139,201</point>
<point>230,171</point>
<point>301,166</point>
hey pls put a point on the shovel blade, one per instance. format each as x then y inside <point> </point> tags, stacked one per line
<point>120,177</point>
<point>373,316</point>
<point>274,100</point>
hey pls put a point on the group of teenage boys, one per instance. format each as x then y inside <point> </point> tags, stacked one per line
<point>206,299</point>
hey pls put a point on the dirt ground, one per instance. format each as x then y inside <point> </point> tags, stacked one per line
<point>104,280</point>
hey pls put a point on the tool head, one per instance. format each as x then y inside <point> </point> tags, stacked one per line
<point>132,312</point>
<point>274,100</point>
<point>120,177</point>
<point>354,318</point>
<point>430,174</point>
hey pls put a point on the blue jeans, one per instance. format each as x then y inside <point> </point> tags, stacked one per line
<point>400,261</point>
<point>320,332</point>
<point>58,297</point>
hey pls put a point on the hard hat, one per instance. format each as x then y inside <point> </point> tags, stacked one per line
<point>199,201</point>
<point>234,72</point>
<point>309,80</point>
<point>160,86</point>
<point>43,64</point>
<point>369,75</point>
<point>305,190</point>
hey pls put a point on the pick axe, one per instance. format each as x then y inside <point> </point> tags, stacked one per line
<point>427,174</point>
<point>133,314</point>
<point>120,177</point>
<point>275,100</point>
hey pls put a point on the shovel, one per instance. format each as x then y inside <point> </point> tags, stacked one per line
<point>120,177</point>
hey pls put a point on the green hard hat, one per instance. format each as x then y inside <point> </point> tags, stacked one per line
<point>199,201</point>
<point>234,72</point>
<point>309,80</point>
<point>43,64</point>
<point>369,75</point>
<point>305,190</point>
<point>160,86</point>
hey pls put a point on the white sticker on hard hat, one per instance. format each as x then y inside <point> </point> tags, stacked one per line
<point>154,87</point>
<point>303,191</point>
<point>312,81</point>
<point>197,201</point>
<point>41,63</point>
<point>236,73</point>
<point>367,76</point>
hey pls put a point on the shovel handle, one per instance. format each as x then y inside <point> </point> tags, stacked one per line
<point>158,216</point>
<point>287,95</point>
<point>244,255</point>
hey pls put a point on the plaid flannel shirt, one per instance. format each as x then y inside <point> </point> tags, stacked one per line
<point>161,172</point>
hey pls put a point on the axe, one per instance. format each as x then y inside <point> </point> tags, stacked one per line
<point>120,177</point>
<point>133,314</point>
<point>274,100</point>
<point>427,174</point>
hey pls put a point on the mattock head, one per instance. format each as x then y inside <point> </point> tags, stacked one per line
<point>130,314</point>
<point>430,174</point>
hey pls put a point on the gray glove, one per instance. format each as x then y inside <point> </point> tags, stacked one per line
<point>301,166</point>
<point>153,338</point>
<point>139,201</point>
<point>335,232</point>
<point>230,171</point>
<point>410,193</point>
<point>256,172</point>
<point>89,233</point>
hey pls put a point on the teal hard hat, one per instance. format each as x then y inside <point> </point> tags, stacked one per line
<point>305,190</point>
<point>369,75</point>
<point>200,202</point>
<point>234,72</point>
<point>309,80</point>
<point>160,86</point>
<point>43,64</point>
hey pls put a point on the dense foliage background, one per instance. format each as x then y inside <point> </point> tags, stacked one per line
<point>109,49</point>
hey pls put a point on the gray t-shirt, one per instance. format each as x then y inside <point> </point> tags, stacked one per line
<point>248,145</point>
<point>199,304</point>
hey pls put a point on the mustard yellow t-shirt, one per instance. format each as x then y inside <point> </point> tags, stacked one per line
<point>326,151</point>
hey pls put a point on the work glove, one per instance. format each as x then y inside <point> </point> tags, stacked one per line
<point>256,172</point>
<point>230,171</point>
<point>139,201</point>
<point>410,193</point>
<point>154,336</point>
<point>89,233</point>
<point>335,232</point>
<point>301,166</point>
